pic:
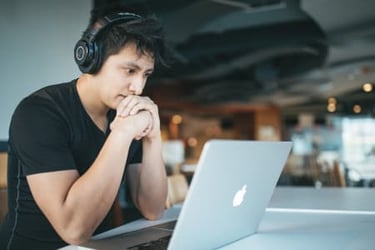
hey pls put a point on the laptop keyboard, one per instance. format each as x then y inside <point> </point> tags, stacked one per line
<point>159,244</point>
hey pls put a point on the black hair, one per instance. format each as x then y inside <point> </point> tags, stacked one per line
<point>145,32</point>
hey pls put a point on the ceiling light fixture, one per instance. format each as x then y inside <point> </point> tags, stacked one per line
<point>331,107</point>
<point>357,108</point>
<point>176,119</point>
<point>367,87</point>
<point>332,100</point>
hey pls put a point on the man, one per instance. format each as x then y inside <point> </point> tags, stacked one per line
<point>72,144</point>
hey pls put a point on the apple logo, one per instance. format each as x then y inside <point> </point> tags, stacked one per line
<point>239,196</point>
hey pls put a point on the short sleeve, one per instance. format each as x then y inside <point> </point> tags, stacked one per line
<point>40,136</point>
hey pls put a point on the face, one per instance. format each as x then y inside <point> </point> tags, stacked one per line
<point>123,74</point>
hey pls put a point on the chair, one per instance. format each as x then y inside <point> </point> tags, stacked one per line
<point>177,189</point>
<point>3,185</point>
<point>338,175</point>
<point>3,169</point>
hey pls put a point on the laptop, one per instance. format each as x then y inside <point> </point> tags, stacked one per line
<point>227,198</point>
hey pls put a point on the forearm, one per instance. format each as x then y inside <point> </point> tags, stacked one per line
<point>152,188</point>
<point>95,191</point>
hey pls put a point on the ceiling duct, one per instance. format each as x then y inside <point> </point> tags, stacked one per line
<point>216,52</point>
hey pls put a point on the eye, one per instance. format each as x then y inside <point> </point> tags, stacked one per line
<point>130,71</point>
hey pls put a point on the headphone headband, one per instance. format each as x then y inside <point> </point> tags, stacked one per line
<point>109,20</point>
<point>120,16</point>
<point>87,52</point>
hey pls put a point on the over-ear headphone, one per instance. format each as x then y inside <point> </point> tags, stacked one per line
<point>88,51</point>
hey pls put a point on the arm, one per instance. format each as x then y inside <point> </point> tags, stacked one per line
<point>147,181</point>
<point>75,205</point>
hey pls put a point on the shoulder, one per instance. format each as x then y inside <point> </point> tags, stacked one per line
<point>51,99</point>
<point>53,94</point>
<point>45,107</point>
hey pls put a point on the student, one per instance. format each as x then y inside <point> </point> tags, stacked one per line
<point>72,144</point>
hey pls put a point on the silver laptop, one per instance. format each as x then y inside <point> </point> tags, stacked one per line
<point>230,190</point>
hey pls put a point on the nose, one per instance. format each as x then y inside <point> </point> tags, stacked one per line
<point>136,86</point>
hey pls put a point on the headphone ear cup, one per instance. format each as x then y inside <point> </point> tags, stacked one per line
<point>84,55</point>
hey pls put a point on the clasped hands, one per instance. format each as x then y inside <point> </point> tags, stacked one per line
<point>138,115</point>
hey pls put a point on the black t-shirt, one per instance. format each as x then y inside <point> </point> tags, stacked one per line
<point>49,131</point>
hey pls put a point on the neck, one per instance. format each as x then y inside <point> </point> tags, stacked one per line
<point>91,101</point>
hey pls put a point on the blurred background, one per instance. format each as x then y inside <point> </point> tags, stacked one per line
<point>271,70</point>
<point>294,70</point>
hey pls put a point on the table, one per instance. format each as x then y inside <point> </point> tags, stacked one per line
<point>3,203</point>
<point>328,198</point>
<point>298,218</point>
<point>289,230</point>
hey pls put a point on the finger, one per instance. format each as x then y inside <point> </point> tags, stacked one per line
<point>121,106</point>
<point>143,133</point>
<point>138,103</point>
<point>141,106</point>
<point>147,130</point>
<point>127,105</point>
<point>149,126</point>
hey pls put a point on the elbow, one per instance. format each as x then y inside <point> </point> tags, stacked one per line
<point>75,239</point>
<point>75,236</point>
<point>153,216</point>
<point>152,209</point>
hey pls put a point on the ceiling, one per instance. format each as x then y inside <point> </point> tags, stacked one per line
<point>245,53</point>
